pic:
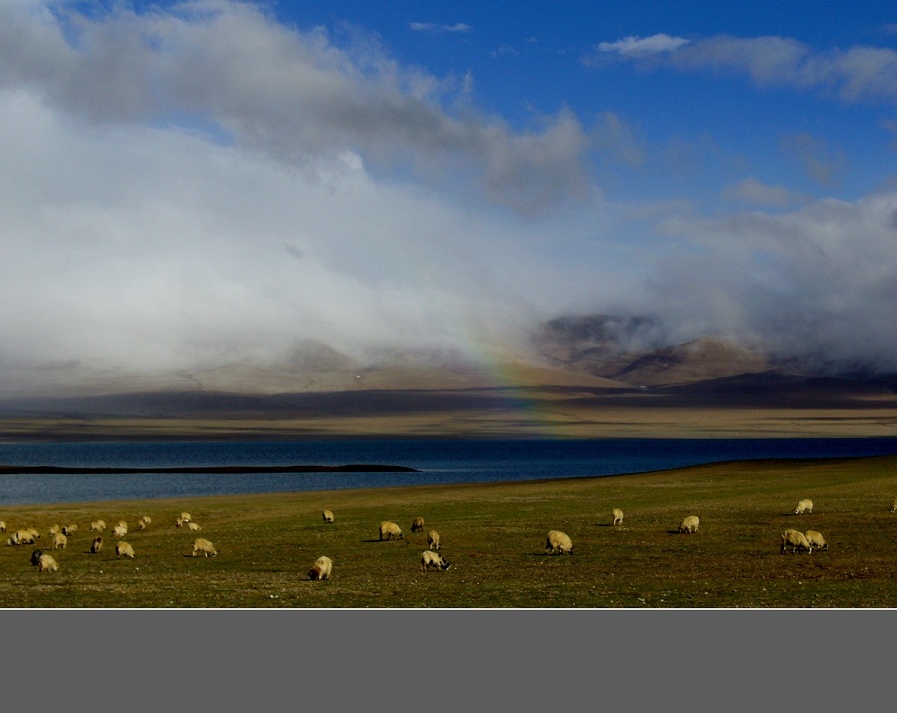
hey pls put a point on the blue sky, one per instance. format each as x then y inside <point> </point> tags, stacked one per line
<point>194,184</point>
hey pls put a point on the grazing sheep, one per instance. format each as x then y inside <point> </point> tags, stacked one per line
<point>141,524</point>
<point>815,539</point>
<point>54,529</point>
<point>328,516</point>
<point>96,545</point>
<point>417,524</point>
<point>618,516</point>
<point>34,533</point>
<point>193,526</point>
<point>124,549</point>
<point>60,541</point>
<point>390,531</point>
<point>893,509</point>
<point>202,546</point>
<point>21,537</point>
<point>321,569</point>
<point>120,530</point>
<point>35,556</point>
<point>179,522</point>
<point>689,524</point>
<point>558,543</point>
<point>796,540</point>
<point>804,506</point>
<point>98,525</point>
<point>433,540</point>
<point>45,563</point>
<point>2,526</point>
<point>185,516</point>
<point>147,519</point>
<point>431,560</point>
<point>69,530</point>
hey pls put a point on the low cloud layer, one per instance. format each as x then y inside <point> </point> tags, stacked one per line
<point>201,186</point>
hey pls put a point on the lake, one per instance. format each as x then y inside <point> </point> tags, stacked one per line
<point>439,462</point>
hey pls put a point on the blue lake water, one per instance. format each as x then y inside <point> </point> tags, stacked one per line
<point>440,461</point>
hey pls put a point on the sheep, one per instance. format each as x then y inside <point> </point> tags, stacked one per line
<point>618,516</point>
<point>120,531</point>
<point>96,545</point>
<point>179,522</point>
<point>390,531</point>
<point>124,549</point>
<point>59,541</point>
<point>3,525</point>
<point>35,556</point>
<point>54,529</point>
<point>321,569</point>
<point>431,560</point>
<point>147,519</point>
<point>804,506</point>
<point>21,537</point>
<point>797,541</point>
<point>69,530</point>
<point>893,509</point>
<point>417,524</point>
<point>46,563</point>
<point>816,539</point>
<point>558,543</point>
<point>185,516</point>
<point>202,546</point>
<point>123,523</point>
<point>141,524</point>
<point>433,540</point>
<point>328,516</point>
<point>98,526</point>
<point>34,533</point>
<point>193,526</point>
<point>689,524</point>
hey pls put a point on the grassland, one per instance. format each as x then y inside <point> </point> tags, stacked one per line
<point>494,535</point>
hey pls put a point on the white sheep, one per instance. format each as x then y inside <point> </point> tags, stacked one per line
<point>432,560</point>
<point>22,537</point>
<point>390,531</point>
<point>97,544</point>
<point>618,516</point>
<point>796,540</point>
<point>558,543</point>
<point>2,526</point>
<point>815,539</point>
<point>202,546</point>
<point>433,540</point>
<point>141,524</point>
<point>98,525</point>
<point>804,506</point>
<point>69,530</point>
<point>120,530</point>
<point>689,524</point>
<point>417,524</point>
<point>34,533</point>
<point>147,519</point>
<point>185,516</point>
<point>321,569</point>
<point>328,516</point>
<point>179,522</point>
<point>46,563</point>
<point>54,529</point>
<point>193,526</point>
<point>893,509</point>
<point>124,549</point>
<point>59,541</point>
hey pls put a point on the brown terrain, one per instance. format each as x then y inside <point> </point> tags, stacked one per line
<point>585,377</point>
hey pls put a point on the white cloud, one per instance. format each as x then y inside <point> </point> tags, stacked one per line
<point>433,27</point>
<point>752,191</point>
<point>633,46</point>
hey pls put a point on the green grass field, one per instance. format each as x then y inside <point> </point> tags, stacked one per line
<point>494,536</point>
